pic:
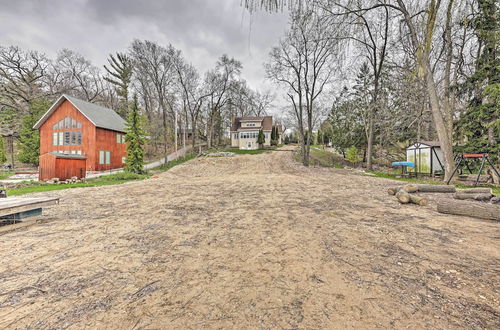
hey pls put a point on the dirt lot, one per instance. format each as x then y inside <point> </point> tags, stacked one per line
<point>249,242</point>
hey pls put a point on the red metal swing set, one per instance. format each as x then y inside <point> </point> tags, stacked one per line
<point>463,159</point>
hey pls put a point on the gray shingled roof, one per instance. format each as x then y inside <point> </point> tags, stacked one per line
<point>100,116</point>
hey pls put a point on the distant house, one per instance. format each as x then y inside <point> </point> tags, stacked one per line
<point>78,136</point>
<point>245,130</point>
<point>427,157</point>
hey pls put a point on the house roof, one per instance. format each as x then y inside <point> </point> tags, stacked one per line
<point>99,116</point>
<point>267,123</point>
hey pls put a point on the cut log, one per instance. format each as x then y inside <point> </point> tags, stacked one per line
<point>477,197</point>
<point>422,201</point>
<point>476,191</point>
<point>410,188</point>
<point>436,188</point>
<point>469,208</point>
<point>393,190</point>
<point>403,197</point>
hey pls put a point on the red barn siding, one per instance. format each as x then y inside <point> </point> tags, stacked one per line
<point>47,167</point>
<point>94,139</point>
<point>66,109</point>
<point>106,141</point>
<point>67,168</point>
<point>52,166</point>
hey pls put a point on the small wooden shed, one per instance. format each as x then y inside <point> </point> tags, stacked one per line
<point>61,166</point>
<point>427,157</point>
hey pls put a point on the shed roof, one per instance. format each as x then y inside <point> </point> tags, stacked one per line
<point>67,156</point>
<point>427,143</point>
<point>99,116</point>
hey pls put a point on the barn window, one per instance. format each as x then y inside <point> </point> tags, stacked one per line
<point>78,138</point>
<point>61,138</point>
<point>73,138</point>
<point>78,125</point>
<point>104,157</point>
<point>73,123</point>
<point>124,160</point>
<point>54,138</point>
<point>120,138</point>
<point>67,139</point>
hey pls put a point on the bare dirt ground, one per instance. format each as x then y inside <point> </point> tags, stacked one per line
<point>254,241</point>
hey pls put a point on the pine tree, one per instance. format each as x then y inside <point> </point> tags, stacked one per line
<point>261,139</point>
<point>135,139</point>
<point>120,75</point>
<point>29,138</point>
<point>480,123</point>
<point>3,156</point>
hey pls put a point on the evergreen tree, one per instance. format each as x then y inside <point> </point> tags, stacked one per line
<point>135,139</point>
<point>29,138</point>
<point>3,156</point>
<point>261,139</point>
<point>480,124</point>
<point>120,75</point>
<point>319,136</point>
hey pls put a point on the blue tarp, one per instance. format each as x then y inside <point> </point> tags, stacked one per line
<point>410,164</point>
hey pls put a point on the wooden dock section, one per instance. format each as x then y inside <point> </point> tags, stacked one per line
<point>13,205</point>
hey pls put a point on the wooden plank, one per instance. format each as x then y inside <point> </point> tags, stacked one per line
<point>18,204</point>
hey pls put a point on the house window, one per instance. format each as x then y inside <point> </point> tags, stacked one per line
<point>104,157</point>
<point>124,160</point>
<point>236,136</point>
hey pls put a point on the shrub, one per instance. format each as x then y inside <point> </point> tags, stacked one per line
<point>352,155</point>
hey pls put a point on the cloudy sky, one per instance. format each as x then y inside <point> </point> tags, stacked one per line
<point>202,29</point>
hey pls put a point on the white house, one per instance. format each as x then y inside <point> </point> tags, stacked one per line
<point>245,131</point>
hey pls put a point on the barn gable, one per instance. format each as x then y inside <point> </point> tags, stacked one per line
<point>99,116</point>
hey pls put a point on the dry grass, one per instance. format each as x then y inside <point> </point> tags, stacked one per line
<point>252,241</point>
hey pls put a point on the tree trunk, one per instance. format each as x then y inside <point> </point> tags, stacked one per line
<point>436,188</point>
<point>369,145</point>
<point>471,209</point>
<point>477,197</point>
<point>422,201</point>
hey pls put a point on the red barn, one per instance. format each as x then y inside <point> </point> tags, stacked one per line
<point>75,134</point>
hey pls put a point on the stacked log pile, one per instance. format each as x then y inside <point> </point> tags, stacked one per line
<point>466,203</point>
<point>405,194</point>
<point>473,202</point>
